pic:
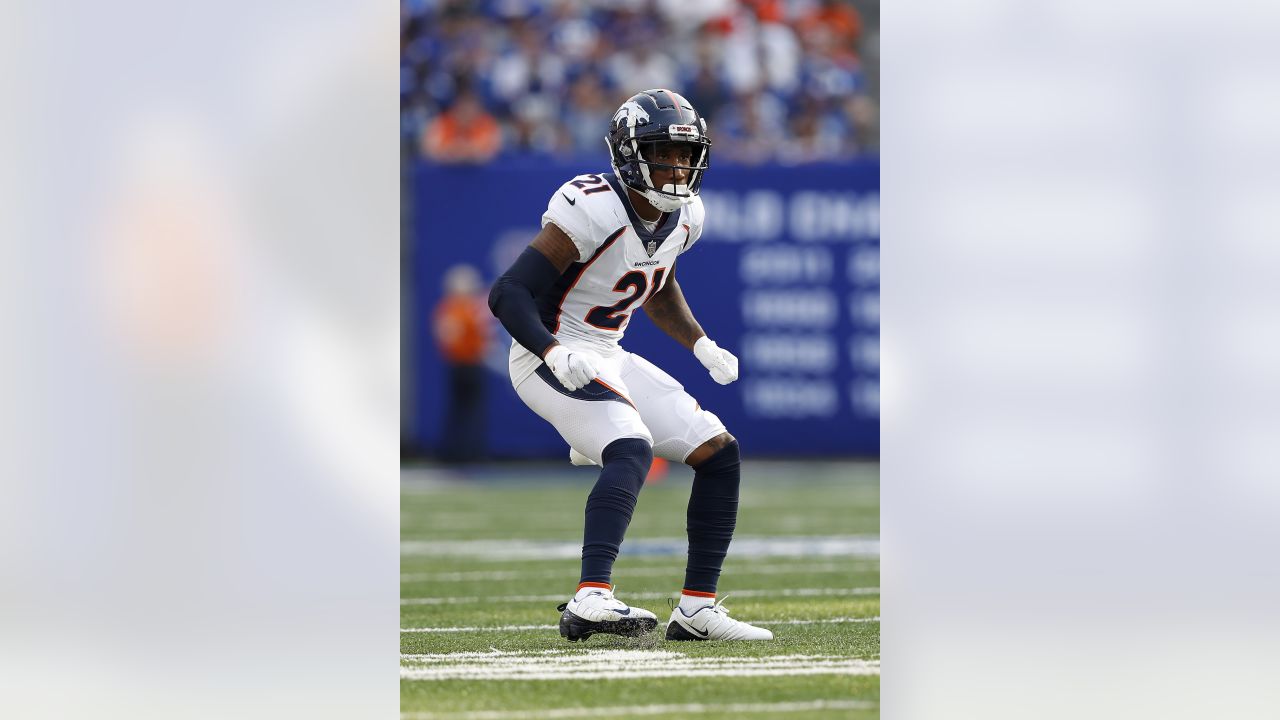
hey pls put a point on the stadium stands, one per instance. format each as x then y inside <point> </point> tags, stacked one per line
<point>787,81</point>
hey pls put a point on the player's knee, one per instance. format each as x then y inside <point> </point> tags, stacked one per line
<point>727,459</point>
<point>713,447</point>
<point>634,455</point>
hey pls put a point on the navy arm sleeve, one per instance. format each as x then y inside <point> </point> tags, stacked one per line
<point>512,299</point>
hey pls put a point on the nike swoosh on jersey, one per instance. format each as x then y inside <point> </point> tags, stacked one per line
<point>571,200</point>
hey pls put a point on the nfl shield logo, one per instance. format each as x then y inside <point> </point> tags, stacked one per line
<point>652,247</point>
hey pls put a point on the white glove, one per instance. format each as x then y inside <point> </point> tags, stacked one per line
<point>574,369</point>
<point>720,362</point>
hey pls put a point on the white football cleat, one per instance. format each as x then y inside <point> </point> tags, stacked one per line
<point>712,623</point>
<point>601,612</point>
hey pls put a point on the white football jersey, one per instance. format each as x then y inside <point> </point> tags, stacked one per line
<point>621,264</point>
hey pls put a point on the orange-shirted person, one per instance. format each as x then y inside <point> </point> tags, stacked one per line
<point>463,333</point>
<point>465,133</point>
<point>834,25</point>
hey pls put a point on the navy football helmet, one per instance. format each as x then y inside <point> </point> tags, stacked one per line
<point>648,118</point>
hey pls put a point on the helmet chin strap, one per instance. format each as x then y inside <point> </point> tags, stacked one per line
<point>666,203</point>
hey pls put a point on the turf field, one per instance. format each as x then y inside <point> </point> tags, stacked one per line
<point>488,553</point>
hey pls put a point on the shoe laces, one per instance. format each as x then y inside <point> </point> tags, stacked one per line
<point>608,598</point>
<point>719,608</point>
<point>606,595</point>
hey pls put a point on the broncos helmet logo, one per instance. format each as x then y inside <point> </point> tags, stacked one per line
<point>632,112</point>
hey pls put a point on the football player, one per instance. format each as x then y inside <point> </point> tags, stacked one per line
<point>608,245</point>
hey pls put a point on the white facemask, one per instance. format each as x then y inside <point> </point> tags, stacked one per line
<point>666,203</point>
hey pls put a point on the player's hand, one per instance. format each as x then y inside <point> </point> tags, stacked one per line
<point>721,363</point>
<point>575,369</point>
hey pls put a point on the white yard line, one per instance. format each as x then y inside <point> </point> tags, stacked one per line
<point>630,672</point>
<point>874,619</point>
<point>866,546</point>
<point>494,655</point>
<point>619,664</point>
<point>624,710</point>
<point>785,592</point>
<point>604,656</point>
<point>508,628</point>
<point>785,569</point>
<point>477,628</point>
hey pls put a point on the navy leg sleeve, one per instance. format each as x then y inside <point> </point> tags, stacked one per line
<point>609,507</point>
<point>712,515</point>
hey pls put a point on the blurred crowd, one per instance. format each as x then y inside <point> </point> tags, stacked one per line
<point>789,81</point>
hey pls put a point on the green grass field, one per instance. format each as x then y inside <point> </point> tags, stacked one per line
<point>486,556</point>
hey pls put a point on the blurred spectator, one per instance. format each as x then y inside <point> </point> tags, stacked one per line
<point>838,19</point>
<point>705,87</point>
<point>752,128</point>
<point>814,134</point>
<point>777,79</point>
<point>642,67</point>
<point>534,126</point>
<point>740,55</point>
<point>861,113</point>
<point>573,35</point>
<point>586,117</point>
<point>780,53</point>
<point>525,69</point>
<point>683,12</point>
<point>462,331</point>
<point>464,134</point>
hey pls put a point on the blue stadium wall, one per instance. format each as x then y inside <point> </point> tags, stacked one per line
<point>786,276</point>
